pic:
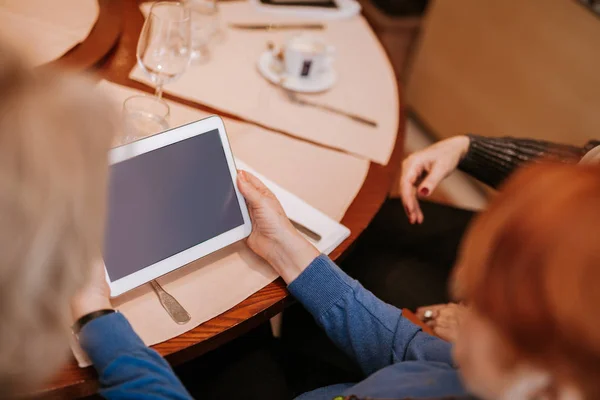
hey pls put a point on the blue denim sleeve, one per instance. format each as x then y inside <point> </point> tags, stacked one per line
<point>370,331</point>
<point>126,367</point>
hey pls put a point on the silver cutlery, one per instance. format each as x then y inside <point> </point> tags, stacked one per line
<point>294,98</point>
<point>170,304</point>
<point>312,235</point>
<point>269,27</point>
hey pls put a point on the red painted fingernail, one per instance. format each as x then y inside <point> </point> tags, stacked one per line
<point>424,191</point>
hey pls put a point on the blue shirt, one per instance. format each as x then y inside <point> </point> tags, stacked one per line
<point>397,358</point>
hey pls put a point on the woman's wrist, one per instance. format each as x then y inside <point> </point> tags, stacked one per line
<point>85,303</point>
<point>292,255</point>
<point>462,142</point>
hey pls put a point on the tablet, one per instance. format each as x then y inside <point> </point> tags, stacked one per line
<point>172,199</point>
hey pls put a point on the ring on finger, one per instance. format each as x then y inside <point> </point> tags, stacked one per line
<point>428,315</point>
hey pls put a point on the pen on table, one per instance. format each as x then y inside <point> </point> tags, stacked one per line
<point>312,235</point>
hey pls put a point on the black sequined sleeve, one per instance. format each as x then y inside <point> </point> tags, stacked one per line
<point>491,159</point>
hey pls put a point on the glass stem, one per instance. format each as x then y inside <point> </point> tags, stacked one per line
<point>159,91</point>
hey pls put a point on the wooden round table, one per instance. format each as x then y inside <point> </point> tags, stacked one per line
<point>100,41</point>
<point>73,381</point>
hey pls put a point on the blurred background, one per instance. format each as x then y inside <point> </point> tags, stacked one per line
<point>495,68</point>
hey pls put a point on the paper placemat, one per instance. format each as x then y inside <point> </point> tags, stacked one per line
<point>44,30</point>
<point>326,179</point>
<point>205,287</point>
<point>365,85</point>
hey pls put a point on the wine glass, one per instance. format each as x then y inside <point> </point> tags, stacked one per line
<point>205,26</point>
<point>163,50</point>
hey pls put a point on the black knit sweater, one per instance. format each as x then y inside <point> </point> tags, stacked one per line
<point>491,160</point>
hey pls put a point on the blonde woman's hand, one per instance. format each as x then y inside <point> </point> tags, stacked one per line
<point>435,163</point>
<point>445,320</point>
<point>94,296</point>
<point>273,236</point>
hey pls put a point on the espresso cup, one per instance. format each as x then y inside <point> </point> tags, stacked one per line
<point>306,57</point>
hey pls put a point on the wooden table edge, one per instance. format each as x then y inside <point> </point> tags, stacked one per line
<point>101,39</point>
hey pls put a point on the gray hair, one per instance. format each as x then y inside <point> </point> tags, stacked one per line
<point>54,135</point>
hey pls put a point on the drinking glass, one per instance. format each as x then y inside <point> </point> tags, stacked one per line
<point>163,49</point>
<point>143,116</point>
<point>205,25</point>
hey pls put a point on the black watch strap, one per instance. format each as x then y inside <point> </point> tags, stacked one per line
<point>80,323</point>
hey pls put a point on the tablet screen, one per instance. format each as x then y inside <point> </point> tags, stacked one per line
<point>168,200</point>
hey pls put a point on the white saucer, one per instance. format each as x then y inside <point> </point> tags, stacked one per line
<point>272,70</point>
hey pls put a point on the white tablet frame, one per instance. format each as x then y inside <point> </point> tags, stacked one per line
<point>191,254</point>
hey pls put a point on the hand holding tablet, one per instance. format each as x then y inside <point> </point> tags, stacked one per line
<point>274,237</point>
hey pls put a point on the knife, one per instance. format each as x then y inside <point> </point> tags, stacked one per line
<point>170,304</point>
<point>268,27</point>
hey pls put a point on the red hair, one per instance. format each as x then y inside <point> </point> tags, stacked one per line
<point>531,266</point>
